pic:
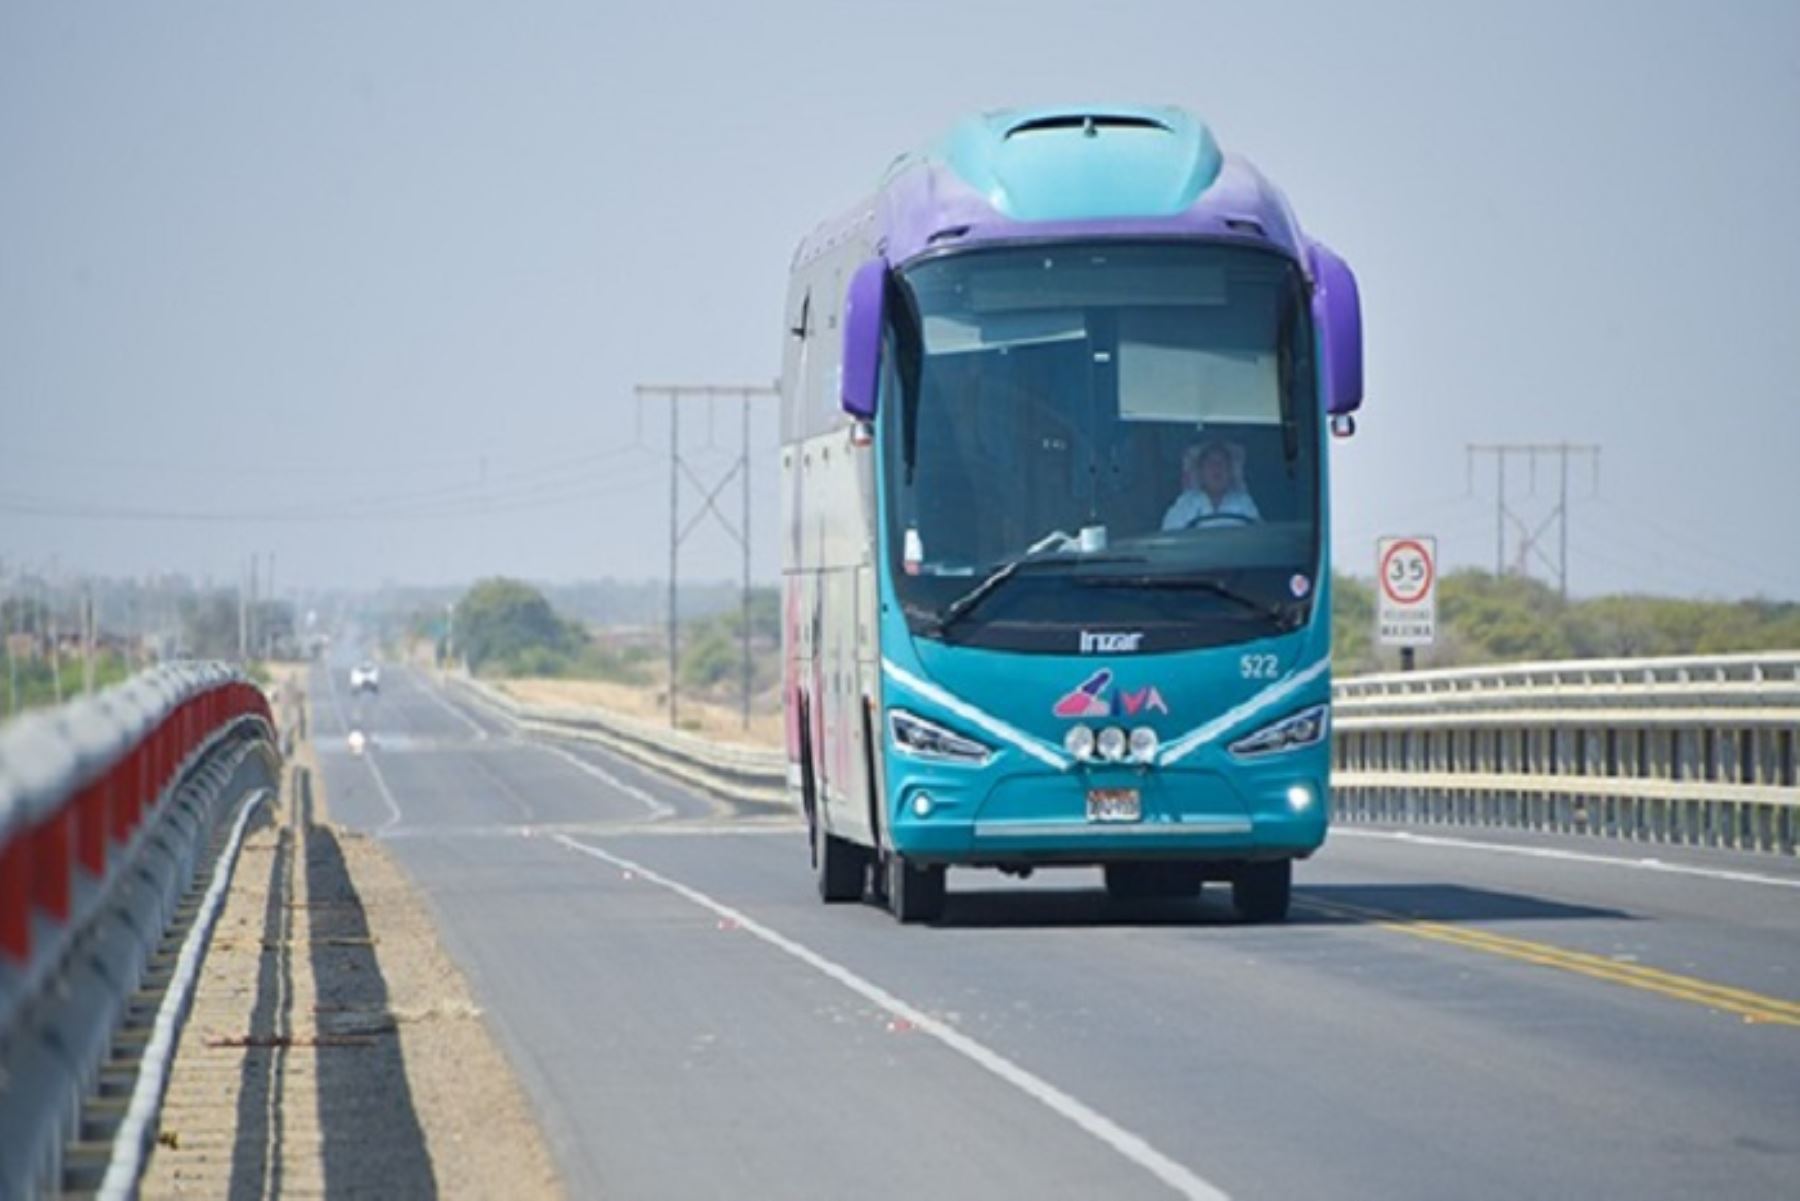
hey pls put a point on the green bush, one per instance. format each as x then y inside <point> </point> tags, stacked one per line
<point>507,625</point>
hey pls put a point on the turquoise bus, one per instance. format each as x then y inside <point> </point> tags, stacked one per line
<point>1056,402</point>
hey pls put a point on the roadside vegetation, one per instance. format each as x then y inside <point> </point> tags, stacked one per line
<point>506,628</point>
<point>1510,619</point>
<point>37,681</point>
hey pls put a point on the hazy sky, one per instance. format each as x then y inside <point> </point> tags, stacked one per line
<point>315,267</point>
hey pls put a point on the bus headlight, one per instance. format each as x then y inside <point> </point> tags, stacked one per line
<point>1111,744</point>
<point>1143,744</point>
<point>1295,730</point>
<point>915,736</point>
<point>1079,742</point>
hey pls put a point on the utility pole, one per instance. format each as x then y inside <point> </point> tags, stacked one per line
<point>243,616</point>
<point>87,639</point>
<point>55,644</point>
<point>744,545</point>
<point>269,626</point>
<point>674,546</point>
<point>676,395</point>
<point>1530,537</point>
<point>8,607</point>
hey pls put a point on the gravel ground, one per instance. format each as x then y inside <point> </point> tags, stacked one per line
<point>333,1048</point>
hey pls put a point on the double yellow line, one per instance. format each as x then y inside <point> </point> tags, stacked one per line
<point>1751,1006</point>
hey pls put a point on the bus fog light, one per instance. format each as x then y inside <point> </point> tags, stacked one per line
<point>1111,744</point>
<point>1079,742</point>
<point>1143,744</point>
<point>922,804</point>
<point>1300,798</point>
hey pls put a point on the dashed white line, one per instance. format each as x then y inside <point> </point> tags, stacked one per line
<point>658,809</point>
<point>1503,848</point>
<point>1132,1146</point>
<point>387,795</point>
<point>430,690</point>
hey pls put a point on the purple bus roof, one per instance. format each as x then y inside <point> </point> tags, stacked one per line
<point>1174,186</point>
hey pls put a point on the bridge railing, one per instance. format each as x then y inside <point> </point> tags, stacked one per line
<point>108,807</point>
<point>1697,751</point>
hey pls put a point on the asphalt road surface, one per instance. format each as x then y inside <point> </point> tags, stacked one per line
<point>1464,1016</point>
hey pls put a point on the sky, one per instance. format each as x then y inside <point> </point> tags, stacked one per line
<point>368,287</point>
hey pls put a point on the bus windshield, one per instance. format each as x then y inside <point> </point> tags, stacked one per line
<point>1102,435</point>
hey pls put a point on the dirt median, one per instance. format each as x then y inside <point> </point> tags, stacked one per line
<point>333,1047</point>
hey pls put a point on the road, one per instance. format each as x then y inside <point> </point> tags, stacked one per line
<point>1462,1017</point>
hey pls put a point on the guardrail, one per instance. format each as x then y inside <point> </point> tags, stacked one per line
<point>108,806</point>
<point>737,773</point>
<point>1696,751</point>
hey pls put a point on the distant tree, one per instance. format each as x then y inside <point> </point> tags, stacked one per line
<point>507,624</point>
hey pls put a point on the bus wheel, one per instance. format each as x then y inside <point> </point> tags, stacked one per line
<point>915,893</point>
<point>1260,891</point>
<point>1152,881</point>
<point>840,866</point>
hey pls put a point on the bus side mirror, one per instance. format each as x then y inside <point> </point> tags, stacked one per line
<point>860,374</point>
<point>1337,315</point>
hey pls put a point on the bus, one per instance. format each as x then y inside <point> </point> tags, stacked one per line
<point>1055,408</point>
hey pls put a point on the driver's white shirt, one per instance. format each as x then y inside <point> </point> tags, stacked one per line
<point>1191,506</point>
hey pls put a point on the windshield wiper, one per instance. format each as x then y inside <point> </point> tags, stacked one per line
<point>1054,541</point>
<point>1281,616</point>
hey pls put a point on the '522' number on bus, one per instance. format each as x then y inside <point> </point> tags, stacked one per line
<point>1259,667</point>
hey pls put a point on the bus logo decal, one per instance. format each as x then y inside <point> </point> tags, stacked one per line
<point>1093,643</point>
<point>1148,700</point>
<point>1088,699</point>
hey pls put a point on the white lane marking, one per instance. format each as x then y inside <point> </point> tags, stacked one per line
<point>387,795</point>
<point>494,711</point>
<point>1132,1146</point>
<point>1501,848</point>
<point>658,809</point>
<point>430,690</point>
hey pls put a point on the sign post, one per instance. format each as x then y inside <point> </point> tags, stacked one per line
<point>1406,607</point>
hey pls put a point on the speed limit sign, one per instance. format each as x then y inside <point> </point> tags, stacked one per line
<point>1406,610</point>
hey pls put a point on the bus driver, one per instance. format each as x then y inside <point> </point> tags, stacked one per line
<point>1212,489</point>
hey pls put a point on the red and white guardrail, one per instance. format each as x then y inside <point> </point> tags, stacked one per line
<point>107,804</point>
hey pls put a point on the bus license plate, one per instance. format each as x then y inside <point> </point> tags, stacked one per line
<point>1114,805</point>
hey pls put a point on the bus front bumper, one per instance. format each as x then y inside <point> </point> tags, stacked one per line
<point>1192,815</point>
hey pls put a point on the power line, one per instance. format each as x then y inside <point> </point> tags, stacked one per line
<point>463,501</point>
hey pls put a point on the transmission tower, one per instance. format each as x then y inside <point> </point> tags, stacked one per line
<point>677,395</point>
<point>1528,542</point>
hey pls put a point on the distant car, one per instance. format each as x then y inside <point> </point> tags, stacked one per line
<point>365,677</point>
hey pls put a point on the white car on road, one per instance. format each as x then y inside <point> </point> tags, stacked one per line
<point>365,676</point>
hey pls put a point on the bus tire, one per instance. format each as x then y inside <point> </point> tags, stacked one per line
<point>1260,892</point>
<point>915,893</point>
<point>840,866</point>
